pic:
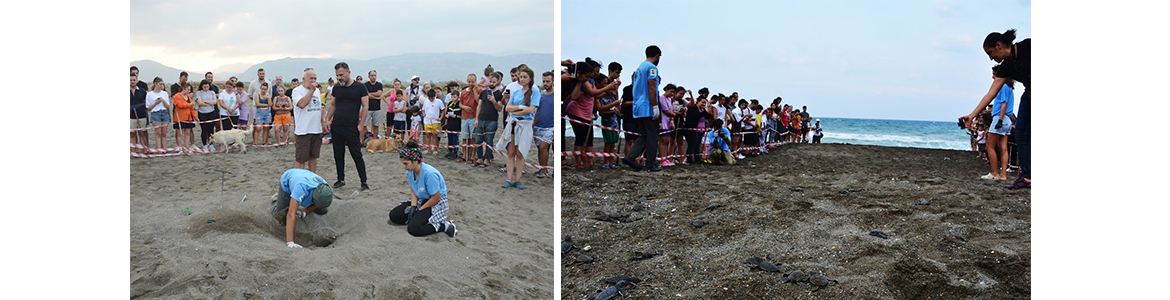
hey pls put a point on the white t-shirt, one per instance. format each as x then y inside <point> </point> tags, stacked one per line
<point>152,97</point>
<point>721,114</point>
<point>229,100</point>
<point>737,115</point>
<point>416,122</point>
<point>399,105</point>
<point>433,110</point>
<point>308,119</point>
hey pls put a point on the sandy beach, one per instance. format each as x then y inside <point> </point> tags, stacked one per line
<point>880,222</point>
<point>229,247</point>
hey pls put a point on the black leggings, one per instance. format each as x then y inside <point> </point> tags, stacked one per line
<point>584,133</point>
<point>206,129</point>
<point>348,137</point>
<point>418,225</point>
<point>693,138</point>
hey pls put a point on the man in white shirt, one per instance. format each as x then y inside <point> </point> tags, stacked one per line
<point>254,86</point>
<point>308,118</point>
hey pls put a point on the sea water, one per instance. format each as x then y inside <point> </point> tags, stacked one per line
<point>897,133</point>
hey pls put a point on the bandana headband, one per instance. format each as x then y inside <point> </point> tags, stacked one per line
<point>411,154</point>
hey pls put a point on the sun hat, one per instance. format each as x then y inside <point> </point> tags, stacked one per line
<point>414,77</point>
<point>323,195</point>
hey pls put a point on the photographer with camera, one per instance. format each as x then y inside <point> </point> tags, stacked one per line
<point>718,151</point>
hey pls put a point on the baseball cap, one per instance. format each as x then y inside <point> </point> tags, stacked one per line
<point>323,195</point>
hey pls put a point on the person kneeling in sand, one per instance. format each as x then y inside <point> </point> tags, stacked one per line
<point>422,218</point>
<point>718,151</point>
<point>299,188</point>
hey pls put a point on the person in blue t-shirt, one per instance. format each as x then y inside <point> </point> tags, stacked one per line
<point>517,135</point>
<point>542,129</point>
<point>646,113</point>
<point>1001,127</point>
<point>428,215</point>
<point>718,152</point>
<point>299,188</point>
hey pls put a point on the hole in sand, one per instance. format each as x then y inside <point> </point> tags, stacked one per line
<point>308,233</point>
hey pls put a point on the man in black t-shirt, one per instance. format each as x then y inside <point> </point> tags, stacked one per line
<point>345,116</point>
<point>138,116</point>
<point>182,80</point>
<point>375,116</point>
<point>141,84</point>
<point>487,121</point>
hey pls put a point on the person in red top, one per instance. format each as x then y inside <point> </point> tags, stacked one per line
<point>469,108</point>
<point>184,116</point>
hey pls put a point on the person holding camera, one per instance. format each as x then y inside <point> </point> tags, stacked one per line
<point>426,212</point>
<point>718,151</point>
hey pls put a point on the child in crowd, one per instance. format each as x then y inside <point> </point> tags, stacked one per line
<point>415,123</point>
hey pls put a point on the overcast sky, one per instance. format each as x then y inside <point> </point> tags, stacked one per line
<point>911,60</point>
<point>203,35</point>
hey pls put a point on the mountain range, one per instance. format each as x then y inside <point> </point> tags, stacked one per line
<point>430,67</point>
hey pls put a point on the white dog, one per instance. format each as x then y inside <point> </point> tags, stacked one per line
<point>232,137</point>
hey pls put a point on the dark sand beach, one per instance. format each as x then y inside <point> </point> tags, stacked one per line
<point>883,222</point>
<point>502,250</point>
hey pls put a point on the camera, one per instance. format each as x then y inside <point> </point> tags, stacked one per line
<point>961,125</point>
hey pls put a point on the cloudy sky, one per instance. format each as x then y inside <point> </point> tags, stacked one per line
<point>204,35</point>
<point>912,60</point>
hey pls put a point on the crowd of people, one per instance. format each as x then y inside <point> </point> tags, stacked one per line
<point>671,126</point>
<point>470,114</point>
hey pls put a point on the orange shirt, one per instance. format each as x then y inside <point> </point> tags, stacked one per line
<point>184,112</point>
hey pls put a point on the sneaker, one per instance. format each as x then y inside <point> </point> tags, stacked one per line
<point>451,230</point>
<point>321,211</point>
<point>652,169</point>
<point>365,187</point>
<point>667,163</point>
<point>519,186</point>
<point>339,183</point>
<point>507,184</point>
<point>740,156</point>
<point>210,147</point>
<point>988,176</point>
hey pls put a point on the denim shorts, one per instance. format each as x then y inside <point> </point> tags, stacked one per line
<point>160,116</point>
<point>263,116</point>
<point>542,133</point>
<point>466,128</point>
<point>1003,130</point>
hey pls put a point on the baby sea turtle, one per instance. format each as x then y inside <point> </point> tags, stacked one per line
<point>581,259</point>
<point>762,264</point>
<point>616,279</point>
<point>796,189</point>
<point>567,245</point>
<point>611,291</point>
<point>796,276</point>
<point>645,254</point>
<point>698,223</point>
<point>924,202</point>
<point>638,207</point>
<point>714,206</point>
<point>820,281</point>
<point>850,191</point>
<point>879,234</point>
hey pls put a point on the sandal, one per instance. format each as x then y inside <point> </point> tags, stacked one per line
<point>1020,184</point>
<point>541,174</point>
